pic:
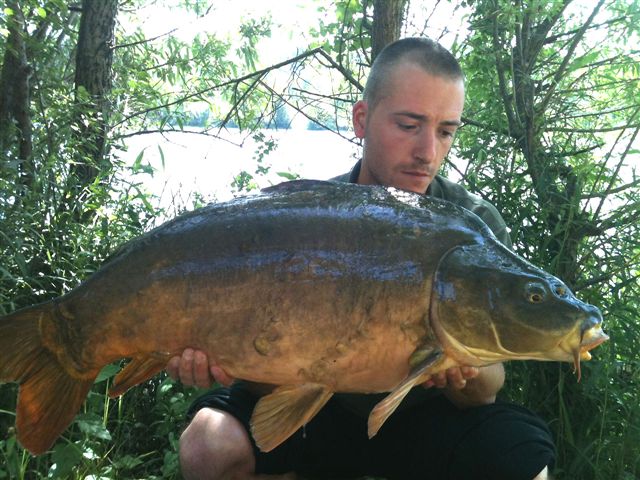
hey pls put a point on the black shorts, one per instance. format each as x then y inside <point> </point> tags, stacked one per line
<point>434,440</point>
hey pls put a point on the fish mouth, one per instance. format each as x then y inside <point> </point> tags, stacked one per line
<point>590,337</point>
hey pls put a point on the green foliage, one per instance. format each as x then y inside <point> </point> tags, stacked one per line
<point>245,181</point>
<point>251,32</point>
<point>43,253</point>
<point>552,113</point>
<point>345,32</point>
<point>551,137</point>
<point>135,436</point>
<point>55,230</point>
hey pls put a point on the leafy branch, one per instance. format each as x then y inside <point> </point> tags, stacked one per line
<point>255,76</point>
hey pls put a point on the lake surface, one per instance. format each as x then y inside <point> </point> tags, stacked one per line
<point>194,163</point>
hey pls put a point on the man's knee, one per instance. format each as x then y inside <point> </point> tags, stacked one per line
<point>543,475</point>
<point>215,444</point>
<point>510,443</point>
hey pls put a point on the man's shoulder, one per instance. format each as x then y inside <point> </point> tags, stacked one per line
<point>445,189</point>
<point>345,177</point>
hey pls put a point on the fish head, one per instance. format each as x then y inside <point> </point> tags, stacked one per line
<point>488,305</point>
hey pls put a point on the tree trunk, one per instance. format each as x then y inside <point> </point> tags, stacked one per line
<point>15,117</point>
<point>388,16</point>
<point>93,83</point>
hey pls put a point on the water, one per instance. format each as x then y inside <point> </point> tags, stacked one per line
<point>194,163</point>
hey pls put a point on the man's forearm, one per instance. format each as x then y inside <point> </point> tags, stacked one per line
<point>481,390</point>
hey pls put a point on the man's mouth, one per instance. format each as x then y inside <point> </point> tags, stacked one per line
<point>416,173</point>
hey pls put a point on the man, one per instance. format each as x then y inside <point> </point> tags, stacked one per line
<point>408,117</point>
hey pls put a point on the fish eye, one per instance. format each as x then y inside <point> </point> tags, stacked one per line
<point>535,292</point>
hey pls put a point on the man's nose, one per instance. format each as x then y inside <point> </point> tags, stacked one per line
<point>425,145</point>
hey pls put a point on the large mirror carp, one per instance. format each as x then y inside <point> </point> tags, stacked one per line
<point>317,287</point>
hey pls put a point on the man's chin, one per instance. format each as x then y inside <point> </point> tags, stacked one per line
<point>412,183</point>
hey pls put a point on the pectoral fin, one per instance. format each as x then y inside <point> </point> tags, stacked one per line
<point>138,370</point>
<point>419,373</point>
<point>278,415</point>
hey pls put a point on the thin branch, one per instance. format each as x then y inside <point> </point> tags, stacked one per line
<point>619,166</point>
<point>604,166</point>
<point>158,66</point>
<point>573,153</point>
<point>621,217</point>
<point>258,73</point>
<point>483,126</point>
<point>567,58</point>
<point>236,104</point>
<point>611,191</point>
<point>540,34</point>
<point>591,282</point>
<point>145,40</point>
<point>502,82</point>
<point>553,38</point>
<point>629,281</point>
<point>612,61</point>
<point>164,131</point>
<point>334,98</point>
<point>592,130</point>
<point>340,68</point>
<point>305,114</point>
<point>592,114</point>
<point>598,86</point>
<point>588,73</point>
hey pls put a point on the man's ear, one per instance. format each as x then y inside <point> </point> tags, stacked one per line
<point>359,118</point>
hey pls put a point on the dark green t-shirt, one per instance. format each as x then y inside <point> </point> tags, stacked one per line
<point>447,190</point>
<point>440,187</point>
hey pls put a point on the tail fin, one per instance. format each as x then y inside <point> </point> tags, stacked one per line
<point>48,397</point>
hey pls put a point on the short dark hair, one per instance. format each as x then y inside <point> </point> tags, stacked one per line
<point>427,54</point>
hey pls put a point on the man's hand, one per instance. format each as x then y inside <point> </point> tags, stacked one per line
<point>193,369</point>
<point>469,386</point>
<point>454,377</point>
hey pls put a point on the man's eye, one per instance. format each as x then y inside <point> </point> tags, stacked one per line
<point>406,126</point>
<point>447,133</point>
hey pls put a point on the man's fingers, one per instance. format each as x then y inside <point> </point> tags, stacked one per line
<point>469,372</point>
<point>186,367</point>
<point>220,376</point>
<point>440,379</point>
<point>455,378</point>
<point>201,376</point>
<point>173,367</point>
<point>192,369</point>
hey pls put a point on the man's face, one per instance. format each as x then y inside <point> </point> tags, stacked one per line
<point>409,132</point>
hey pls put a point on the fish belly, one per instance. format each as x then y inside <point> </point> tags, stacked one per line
<point>328,284</point>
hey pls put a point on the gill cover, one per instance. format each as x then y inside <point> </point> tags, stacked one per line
<point>489,304</point>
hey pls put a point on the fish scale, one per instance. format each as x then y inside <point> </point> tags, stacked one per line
<point>313,287</point>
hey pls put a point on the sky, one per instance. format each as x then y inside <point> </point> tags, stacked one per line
<point>225,17</point>
<point>292,21</point>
